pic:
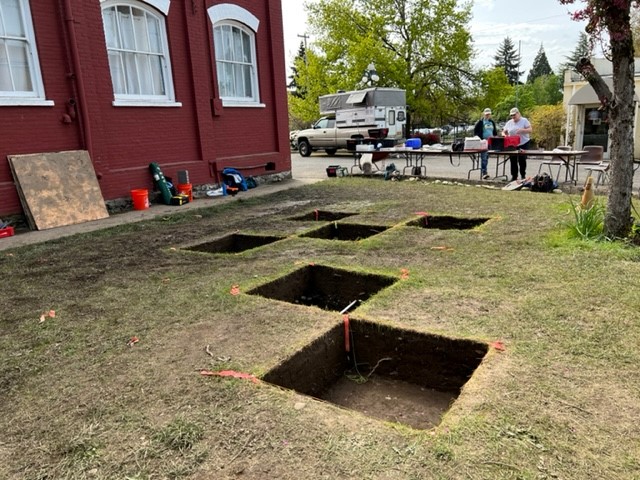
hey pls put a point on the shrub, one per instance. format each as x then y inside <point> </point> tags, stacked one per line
<point>548,123</point>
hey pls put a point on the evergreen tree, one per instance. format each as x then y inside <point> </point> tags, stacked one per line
<point>582,50</point>
<point>294,85</point>
<point>540,66</point>
<point>509,60</point>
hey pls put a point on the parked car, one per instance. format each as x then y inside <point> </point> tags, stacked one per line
<point>462,130</point>
<point>293,139</point>
<point>351,116</point>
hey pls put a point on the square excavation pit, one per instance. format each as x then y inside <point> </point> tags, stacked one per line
<point>323,287</point>
<point>234,243</point>
<point>445,222</point>
<point>322,216</point>
<point>389,374</point>
<point>345,231</point>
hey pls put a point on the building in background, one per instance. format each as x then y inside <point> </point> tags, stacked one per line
<point>586,123</point>
<point>193,85</point>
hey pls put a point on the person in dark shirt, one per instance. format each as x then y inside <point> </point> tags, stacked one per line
<point>484,129</point>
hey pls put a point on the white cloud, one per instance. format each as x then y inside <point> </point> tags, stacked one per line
<point>485,4</point>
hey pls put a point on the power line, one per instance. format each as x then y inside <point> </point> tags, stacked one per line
<point>492,29</point>
<point>305,36</point>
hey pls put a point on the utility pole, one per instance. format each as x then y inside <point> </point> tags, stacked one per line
<point>304,36</point>
<point>518,71</point>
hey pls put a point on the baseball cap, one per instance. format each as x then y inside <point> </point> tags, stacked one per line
<point>487,110</point>
<point>513,111</point>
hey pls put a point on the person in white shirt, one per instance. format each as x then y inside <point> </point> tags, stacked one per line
<point>518,125</point>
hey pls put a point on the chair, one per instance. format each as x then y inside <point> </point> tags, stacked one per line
<point>556,162</point>
<point>593,157</point>
<point>603,172</point>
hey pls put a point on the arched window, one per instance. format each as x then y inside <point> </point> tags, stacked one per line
<point>138,52</point>
<point>20,77</point>
<point>234,42</point>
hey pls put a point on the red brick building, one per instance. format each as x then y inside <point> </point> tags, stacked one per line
<point>190,84</point>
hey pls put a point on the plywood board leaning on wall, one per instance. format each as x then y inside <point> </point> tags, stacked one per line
<point>57,188</point>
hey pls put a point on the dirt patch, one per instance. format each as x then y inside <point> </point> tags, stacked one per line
<point>324,287</point>
<point>384,372</point>
<point>345,232</point>
<point>446,222</point>
<point>392,400</point>
<point>322,216</point>
<point>234,243</point>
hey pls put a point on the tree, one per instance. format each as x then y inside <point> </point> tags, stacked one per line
<point>613,18</point>
<point>582,50</point>
<point>522,97</point>
<point>419,45</point>
<point>540,66</point>
<point>312,75</point>
<point>508,59</point>
<point>547,89</point>
<point>294,87</point>
<point>495,87</point>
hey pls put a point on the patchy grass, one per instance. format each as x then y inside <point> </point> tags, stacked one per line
<point>80,400</point>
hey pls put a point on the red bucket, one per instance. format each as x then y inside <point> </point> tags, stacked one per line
<point>140,198</point>
<point>186,189</point>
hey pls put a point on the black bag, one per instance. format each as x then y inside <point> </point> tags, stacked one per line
<point>543,183</point>
<point>457,146</point>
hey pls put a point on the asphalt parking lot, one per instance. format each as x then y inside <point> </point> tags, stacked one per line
<point>314,167</point>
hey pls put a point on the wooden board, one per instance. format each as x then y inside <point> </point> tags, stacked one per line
<point>515,185</point>
<point>57,188</point>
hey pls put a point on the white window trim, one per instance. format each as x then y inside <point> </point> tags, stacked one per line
<point>37,97</point>
<point>25,102</point>
<point>168,100</point>
<point>235,103</point>
<point>161,5</point>
<point>227,13</point>
<point>144,103</point>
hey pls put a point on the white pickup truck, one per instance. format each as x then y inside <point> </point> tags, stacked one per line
<point>350,116</point>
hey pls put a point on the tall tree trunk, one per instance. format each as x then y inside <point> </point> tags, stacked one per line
<point>620,108</point>
<point>618,219</point>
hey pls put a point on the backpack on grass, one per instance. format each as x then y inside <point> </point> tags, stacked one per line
<point>543,183</point>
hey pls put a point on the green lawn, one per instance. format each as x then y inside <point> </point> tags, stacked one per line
<point>81,401</point>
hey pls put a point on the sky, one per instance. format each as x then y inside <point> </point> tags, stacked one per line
<point>529,24</point>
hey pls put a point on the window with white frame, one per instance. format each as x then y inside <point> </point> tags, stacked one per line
<point>138,53</point>
<point>20,77</point>
<point>234,42</point>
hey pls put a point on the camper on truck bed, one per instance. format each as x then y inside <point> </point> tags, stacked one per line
<point>348,117</point>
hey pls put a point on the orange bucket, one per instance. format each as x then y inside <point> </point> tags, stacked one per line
<point>140,198</point>
<point>186,189</point>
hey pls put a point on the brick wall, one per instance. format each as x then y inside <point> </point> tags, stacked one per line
<point>124,140</point>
